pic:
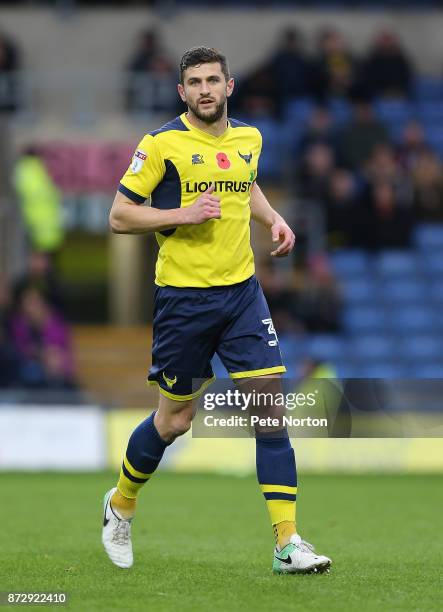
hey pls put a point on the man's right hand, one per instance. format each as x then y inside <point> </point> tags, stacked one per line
<point>206,206</point>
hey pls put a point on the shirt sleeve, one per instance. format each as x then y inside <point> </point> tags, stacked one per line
<point>146,171</point>
<point>259,148</point>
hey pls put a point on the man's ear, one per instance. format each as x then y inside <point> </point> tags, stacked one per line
<point>181,92</point>
<point>229,87</point>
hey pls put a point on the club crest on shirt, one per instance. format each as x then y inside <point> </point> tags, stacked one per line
<point>138,160</point>
<point>246,158</point>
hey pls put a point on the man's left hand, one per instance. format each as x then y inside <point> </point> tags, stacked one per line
<point>281,232</point>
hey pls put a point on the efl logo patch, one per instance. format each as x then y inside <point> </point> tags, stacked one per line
<point>138,160</point>
<point>197,159</point>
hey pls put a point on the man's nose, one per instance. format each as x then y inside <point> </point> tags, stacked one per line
<point>204,88</point>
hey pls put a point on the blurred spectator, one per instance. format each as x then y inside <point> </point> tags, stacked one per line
<point>363,132</point>
<point>315,171</point>
<point>412,145</point>
<point>320,129</point>
<point>43,341</point>
<point>265,90</point>
<point>427,176</point>
<point>289,67</point>
<point>279,296</point>
<point>388,224</point>
<point>40,202</point>
<point>383,166</point>
<point>333,68</point>
<point>9,65</point>
<point>342,213</point>
<point>148,69</point>
<point>318,300</point>
<point>9,361</point>
<point>255,95</point>
<point>40,275</point>
<point>387,69</point>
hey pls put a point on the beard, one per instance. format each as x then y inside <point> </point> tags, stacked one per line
<point>205,117</point>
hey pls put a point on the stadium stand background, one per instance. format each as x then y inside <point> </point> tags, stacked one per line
<point>70,100</point>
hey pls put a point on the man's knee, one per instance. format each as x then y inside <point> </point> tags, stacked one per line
<point>172,422</point>
<point>179,424</point>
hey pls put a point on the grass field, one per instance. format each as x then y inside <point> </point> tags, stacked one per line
<point>204,543</point>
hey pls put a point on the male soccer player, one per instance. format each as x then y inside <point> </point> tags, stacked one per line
<point>200,171</point>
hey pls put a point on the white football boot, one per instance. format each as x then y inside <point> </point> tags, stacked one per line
<point>299,557</point>
<point>116,535</point>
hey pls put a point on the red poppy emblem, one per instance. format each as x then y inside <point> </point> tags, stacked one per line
<point>223,161</point>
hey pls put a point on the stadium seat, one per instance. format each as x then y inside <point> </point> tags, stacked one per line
<point>422,347</point>
<point>433,263</point>
<point>326,347</point>
<point>404,291</point>
<point>298,111</point>
<point>360,319</point>
<point>430,111</point>
<point>359,289</point>
<point>350,262</point>
<point>372,347</point>
<point>429,237</point>
<point>393,110</point>
<point>436,293</point>
<point>429,370</point>
<point>381,370</point>
<point>397,263</point>
<point>340,109</point>
<point>292,348</point>
<point>428,89</point>
<point>412,319</point>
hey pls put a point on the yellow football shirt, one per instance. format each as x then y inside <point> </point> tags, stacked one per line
<point>174,165</point>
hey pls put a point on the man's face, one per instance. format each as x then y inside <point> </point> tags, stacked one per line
<point>205,91</point>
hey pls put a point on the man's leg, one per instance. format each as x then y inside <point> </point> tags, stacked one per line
<point>275,458</point>
<point>145,450</point>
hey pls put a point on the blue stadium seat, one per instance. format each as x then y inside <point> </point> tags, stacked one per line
<point>276,145</point>
<point>434,136</point>
<point>436,293</point>
<point>428,88</point>
<point>386,369</point>
<point>292,347</point>
<point>404,291</point>
<point>350,262</point>
<point>326,347</point>
<point>413,319</point>
<point>429,237</point>
<point>433,263</point>
<point>393,110</point>
<point>372,347</point>
<point>298,111</point>
<point>429,370</point>
<point>340,109</point>
<point>359,289</point>
<point>422,348</point>
<point>360,319</point>
<point>398,263</point>
<point>430,111</point>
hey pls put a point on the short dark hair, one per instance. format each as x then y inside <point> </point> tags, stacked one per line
<point>203,55</point>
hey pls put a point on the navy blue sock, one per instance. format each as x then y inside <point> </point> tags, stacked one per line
<point>144,453</point>
<point>277,475</point>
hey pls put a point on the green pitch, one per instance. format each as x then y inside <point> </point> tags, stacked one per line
<point>204,543</point>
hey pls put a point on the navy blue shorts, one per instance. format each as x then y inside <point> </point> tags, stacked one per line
<point>192,324</point>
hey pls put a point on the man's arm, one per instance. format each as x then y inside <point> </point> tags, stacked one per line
<point>262,212</point>
<point>128,217</point>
